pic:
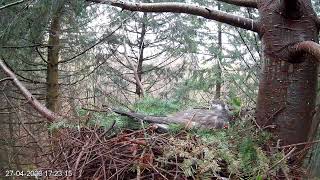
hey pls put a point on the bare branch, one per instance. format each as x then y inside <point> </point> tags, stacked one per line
<point>11,4</point>
<point>49,115</point>
<point>24,46</point>
<point>309,47</point>
<point>5,79</point>
<point>244,3</point>
<point>175,7</point>
<point>318,21</point>
<point>284,158</point>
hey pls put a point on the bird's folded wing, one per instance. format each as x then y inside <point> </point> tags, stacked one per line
<point>147,118</point>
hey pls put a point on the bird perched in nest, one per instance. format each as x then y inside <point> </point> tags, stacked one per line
<point>215,117</point>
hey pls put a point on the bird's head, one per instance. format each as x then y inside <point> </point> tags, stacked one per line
<point>218,105</point>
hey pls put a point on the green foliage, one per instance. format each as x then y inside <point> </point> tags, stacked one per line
<point>236,105</point>
<point>59,124</point>
<point>236,102</point>
<point>156,106</point>
<point>282,166</point>
<point>248,153</point>
<point>175,128</point>
<point>120,121</point>
<point>259,178</point>
<point>101,119</point>
<point>204,153</point>
<point>253,159</point>
<point>147,105</point>
<point>201,80</point>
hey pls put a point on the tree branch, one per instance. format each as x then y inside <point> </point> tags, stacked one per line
<point>102,40</point>
<point>11,4</point>
<point>244,3</point>
<point>309,47</point>
<point>49,115</point>
<point>175,7</point>
<point>5,79</point>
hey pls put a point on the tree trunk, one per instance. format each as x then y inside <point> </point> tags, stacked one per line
<point>141,53</point>
<point>219,70</point>
<point>287,90</point>
<point>52,65</point>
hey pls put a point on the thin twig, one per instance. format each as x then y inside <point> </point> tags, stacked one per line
<point>6,79</point>
<point>79,159</point>
<point>284,158</point>
<point>11,4</point>
<point>299,144</point>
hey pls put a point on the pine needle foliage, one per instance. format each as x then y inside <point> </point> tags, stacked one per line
<point>155,106</point>
<point>235,153</point>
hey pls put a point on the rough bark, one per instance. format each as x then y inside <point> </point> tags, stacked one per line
<point>174,7</point>
<point>315,124</point>
<point>306,47</point>
<point>288,81</point>
<point>49,115</point>
<point>291,9</point>
<point>243,3</point>
<point>52,65</point>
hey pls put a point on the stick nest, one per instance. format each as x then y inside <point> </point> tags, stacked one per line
<point>102,153</point>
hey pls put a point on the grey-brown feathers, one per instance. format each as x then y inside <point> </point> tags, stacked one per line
<point>203,118</point>
<point>216,117</point>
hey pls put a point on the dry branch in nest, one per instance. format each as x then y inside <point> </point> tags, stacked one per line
<point>99,153</point>
<point>94,153</point>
